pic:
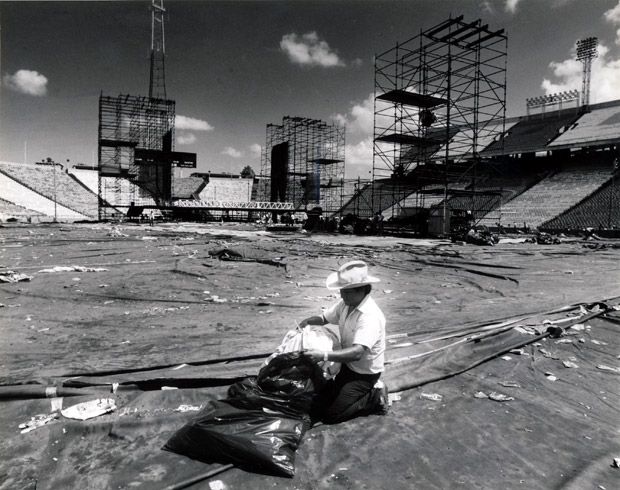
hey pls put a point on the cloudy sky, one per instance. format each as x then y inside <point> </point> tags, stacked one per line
<point>233,67</point>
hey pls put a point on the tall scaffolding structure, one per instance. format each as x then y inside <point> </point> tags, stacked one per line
<point>136,138</point>
<point>157,82</point>
<point>440,98</point>
<point>302,162</point>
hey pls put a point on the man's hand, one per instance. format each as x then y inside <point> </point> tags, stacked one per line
<point>315,355</point>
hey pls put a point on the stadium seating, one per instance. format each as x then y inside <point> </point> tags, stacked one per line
<point>600,209</point>
<point>551,196</point>
<point>68,191</point>
<point>227,189</point>
<point>600,125</point>
<point>532,133</point>
<point>10,210</point>
<point>22,195</point>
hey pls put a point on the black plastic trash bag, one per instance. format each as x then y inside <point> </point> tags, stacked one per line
<point>261,423</point>
<point>254,440</point>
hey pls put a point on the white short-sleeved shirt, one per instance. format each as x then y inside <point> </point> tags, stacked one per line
<point>365,326</point>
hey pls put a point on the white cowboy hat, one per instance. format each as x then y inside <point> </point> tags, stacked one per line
<point>353,274</point>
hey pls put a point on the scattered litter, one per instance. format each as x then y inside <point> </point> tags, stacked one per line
<point>108,302</point>
<point>217,485</point>
<point>216,299</point>
<point>506,358</point>
<point>519,352</point>
<point>73,268</point>
<point>551,376</point>
<point>500,397</point>
<point>103,285</point>
<point>164,388</point>
<point>90,409</point>
<point>578,327</point>
<point>603,367</point>
<point>616,463</point>
<point>436,397</point>
<point>149,238</point>
<point>36,422</point>
<point>480,394</point>
<point>548,354</point>
<point>10,276</point>
<point>43,330</point>
<point>569,364</point>
<point>598,342</point>
<point>387,291</point>
<point>564,341</point>
<point>510,384</point>
<point>393,397</point>
<point>188,408</point>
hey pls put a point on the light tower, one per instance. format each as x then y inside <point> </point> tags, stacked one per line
<point>586,52</point>
<point>157,85</point>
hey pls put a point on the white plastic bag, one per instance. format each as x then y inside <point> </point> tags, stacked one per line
<point>311,337</point>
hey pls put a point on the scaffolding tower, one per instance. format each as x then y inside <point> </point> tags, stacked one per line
<point>440,98</point>
<point>302,162</point>
<point>135,153</point>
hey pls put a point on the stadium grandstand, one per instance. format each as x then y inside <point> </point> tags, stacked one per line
<point>551,171</point>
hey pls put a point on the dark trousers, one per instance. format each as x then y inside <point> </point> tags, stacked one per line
<point>349,395</point>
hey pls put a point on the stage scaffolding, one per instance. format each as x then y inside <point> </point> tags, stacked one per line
<point>440,98</point>
<point>302,162</point>
<point>136,139</point>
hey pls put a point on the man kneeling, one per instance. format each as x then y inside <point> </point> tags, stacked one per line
<point>356,390</point>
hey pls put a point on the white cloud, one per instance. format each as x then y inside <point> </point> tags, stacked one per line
<point>27,82</point>
<point>359,153</point>
<point>308,49</point>
<point>613,15</point>
<point>604,81</point>
<point>255,150</point>
<point>231,152</point>
<point>360,118</point>
<point>511,6</point>
<point>191,123</point>
<point>186,139</point>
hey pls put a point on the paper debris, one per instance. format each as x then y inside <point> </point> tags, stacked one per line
<point>510,384</point>
<point>569,364</point>
<point>480,394</point>
<point>506,358</point>
<point>500,397</point>
<point>519,352</point>
<point>188,408</point>
<point>436,397</point>
<point>603,367</point>
<point>10,276</point>
<point>551,376</point>
<point>217,485</point>
<point>598,342</point>
<point>90,409</point>
<point>73,268</point>
<point>564,341</point>
<point>36,422</point>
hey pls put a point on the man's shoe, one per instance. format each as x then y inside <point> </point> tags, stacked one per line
<point>381,395</point>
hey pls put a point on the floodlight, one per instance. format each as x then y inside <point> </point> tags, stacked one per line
<point>586,48</point>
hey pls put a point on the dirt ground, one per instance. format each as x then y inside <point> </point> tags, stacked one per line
<point>157,297</point>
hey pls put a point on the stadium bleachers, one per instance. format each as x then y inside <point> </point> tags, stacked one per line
<point>69,192</point>
<point>9,210</point>
<point>227,189</point>
<point>599,126</point>
<point>600,209</point>
<point>532,133</point>
<point>550,197</point>
<point>22,195</point>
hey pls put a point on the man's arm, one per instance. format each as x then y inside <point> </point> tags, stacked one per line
<point>312,320</point>
<point>349,354</point>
